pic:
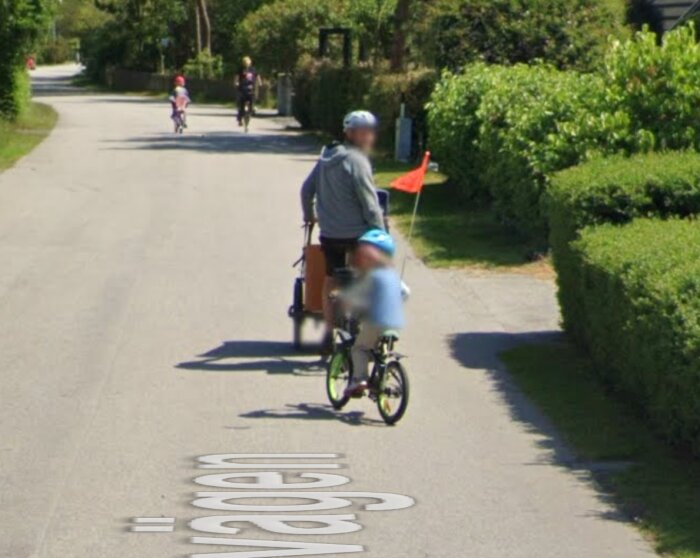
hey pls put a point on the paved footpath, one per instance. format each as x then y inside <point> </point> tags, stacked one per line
<point>143,290</point>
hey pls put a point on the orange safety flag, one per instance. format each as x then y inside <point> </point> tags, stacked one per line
<point>412,182</point>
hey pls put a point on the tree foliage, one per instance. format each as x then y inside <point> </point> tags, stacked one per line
<point>280,33</point>
<point>133,35</point>
<point>22,23</point>
<point>565,33</point>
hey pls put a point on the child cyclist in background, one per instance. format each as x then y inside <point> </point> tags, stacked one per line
<point>377,297</point>
<point>179,99</point>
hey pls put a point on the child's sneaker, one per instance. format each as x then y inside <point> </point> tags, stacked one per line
<point>357,389</point>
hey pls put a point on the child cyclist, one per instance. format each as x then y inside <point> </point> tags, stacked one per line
<point>179,99</point>
<point>377,297</point>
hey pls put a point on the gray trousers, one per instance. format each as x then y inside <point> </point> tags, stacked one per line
<point>365,343</point>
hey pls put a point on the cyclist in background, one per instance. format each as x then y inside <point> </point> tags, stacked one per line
<point>247,83</point>
<point>179,100</point>
<point>341,194</point>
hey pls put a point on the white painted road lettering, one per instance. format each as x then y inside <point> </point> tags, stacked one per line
<point>280,524</point>
<point>230,461</point>
<point>271,481</point>
<point>289,548</point>
<point>283,503</point>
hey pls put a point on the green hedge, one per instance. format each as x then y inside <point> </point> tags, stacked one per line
<point>502,131</point>
<point>615,190</point>
<point>638,314</point>
<point>620,189</point>
<point>15,91</point>
<point>388,91</point>
<point>324,93</point>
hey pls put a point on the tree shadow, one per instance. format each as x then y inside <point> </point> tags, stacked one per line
<point>270,357</point>
<point>480,351</point>
<point>55,86</point>
<point>313,412</point>
<point>277,142</point>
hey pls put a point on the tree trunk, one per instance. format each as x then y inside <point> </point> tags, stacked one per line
<point>398,50</point>
<point>198,29</point>
<point>206,24</point>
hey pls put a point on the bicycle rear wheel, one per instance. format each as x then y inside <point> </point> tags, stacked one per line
<point>246,118</point>
<point>392,399</point>
<point>338,379</point>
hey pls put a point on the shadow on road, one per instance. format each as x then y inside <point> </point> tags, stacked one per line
<point>255,356</point>
<point>309,411</point>
<point>54,86</point>
<point>219,142</point>
<point>480,351</point>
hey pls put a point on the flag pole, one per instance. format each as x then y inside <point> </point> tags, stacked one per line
<point>410,232</point>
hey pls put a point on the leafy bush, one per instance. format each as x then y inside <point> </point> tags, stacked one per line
<point>502,131</point>
<point>15,93</point>
<point>616,191</point>
<point>21,24</point>
<point>205,66</point>
<point>639,316</point>
<point>388,91</point>
<point>57,51</point>
<point>659,85</point>
<point>324,93</point>
<point>564,33</point>
<point>455,126</point>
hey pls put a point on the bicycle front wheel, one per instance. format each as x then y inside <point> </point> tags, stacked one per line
<point>393,393</point>
<point>338,379</point>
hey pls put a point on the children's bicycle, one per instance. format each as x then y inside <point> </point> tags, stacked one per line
<point>179,115</point>
<point>388,383</point>
<point>247,115</point>
<point>180,121</point>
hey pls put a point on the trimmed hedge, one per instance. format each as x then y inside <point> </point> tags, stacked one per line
<point>638,314</point>
<point>616,191</point>
<point>324,93</point>
<point>388,91</point>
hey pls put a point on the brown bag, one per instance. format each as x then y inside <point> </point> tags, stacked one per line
<point>315,277</point>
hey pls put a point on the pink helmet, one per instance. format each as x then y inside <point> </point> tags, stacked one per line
<point>180,81</point>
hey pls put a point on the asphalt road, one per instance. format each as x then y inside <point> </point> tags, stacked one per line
<point>143,293</point>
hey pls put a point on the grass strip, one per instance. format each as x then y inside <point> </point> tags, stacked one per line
<point>452,233</point>
<point>19,137</point>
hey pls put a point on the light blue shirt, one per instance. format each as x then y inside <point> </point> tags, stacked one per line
<point>385,299</point>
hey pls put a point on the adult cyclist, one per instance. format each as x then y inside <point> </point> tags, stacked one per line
<point>341,195</point>
<point>247,83</point>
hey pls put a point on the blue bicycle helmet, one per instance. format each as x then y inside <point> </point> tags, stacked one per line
<point>380,239</point>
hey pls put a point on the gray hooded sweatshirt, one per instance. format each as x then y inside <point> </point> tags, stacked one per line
<point>342,185</point>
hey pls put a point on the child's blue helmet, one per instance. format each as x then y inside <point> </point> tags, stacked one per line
<point>379,239</point>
